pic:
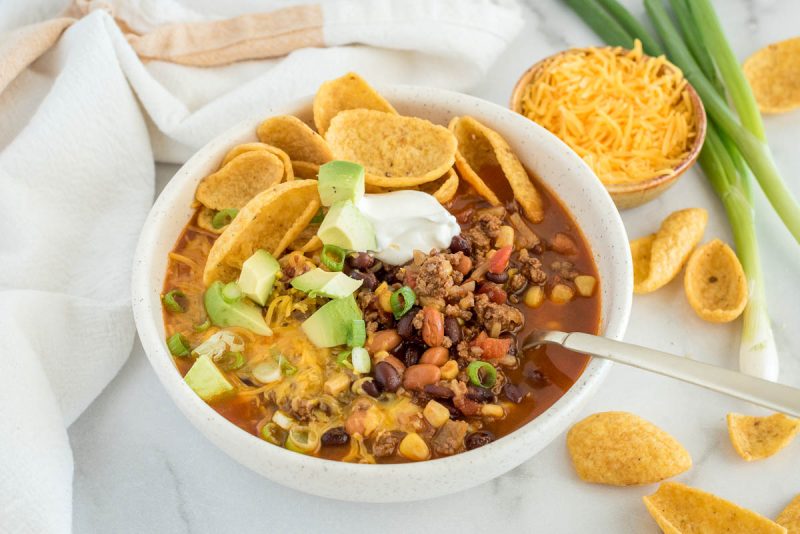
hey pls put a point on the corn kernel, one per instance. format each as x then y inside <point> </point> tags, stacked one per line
<point>449,370</point>
<point>561,293</point>
<point>493,410</point>
<point>336,384</point>
<point>585,285</point>
<point>505,237</point>
<point>534,296</point>
<point>436,414</point>
<point>414,447</point>
<point>384,296</point>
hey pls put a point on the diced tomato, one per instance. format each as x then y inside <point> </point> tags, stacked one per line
<point>410,279</point>
<point>499,260</point>
<point>496,293</point>
<point>493,348</point>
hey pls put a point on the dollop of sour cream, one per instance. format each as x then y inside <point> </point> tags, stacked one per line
<point>405,221</point>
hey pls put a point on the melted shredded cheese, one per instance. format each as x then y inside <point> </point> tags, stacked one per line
<point>629,116</point>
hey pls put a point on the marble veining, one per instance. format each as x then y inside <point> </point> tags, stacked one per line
<point>142,467</point>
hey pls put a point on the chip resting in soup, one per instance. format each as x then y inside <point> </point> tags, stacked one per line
<point>368,309</point>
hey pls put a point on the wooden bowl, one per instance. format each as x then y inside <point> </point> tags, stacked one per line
<point>632,194</point>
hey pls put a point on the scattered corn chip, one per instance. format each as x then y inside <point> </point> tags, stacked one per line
<point>348,92</point>
<point>271,218</point>
<point>715,284</point>
<point>238,150</point>
<point>240,180</point>
<point>478,147</point>
<point>622,449</point>
<point>395,151</point>
<point>658,258</point>
<point>755,438</point>
<point>294,137</point>
<point>774,75</point>
<point>790,517</point>
<point>680,509</point>
<point>305,169</point>
<point>204,217</point>
<point>447,187</point>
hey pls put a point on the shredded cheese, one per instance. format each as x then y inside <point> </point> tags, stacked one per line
<point>629,116</point>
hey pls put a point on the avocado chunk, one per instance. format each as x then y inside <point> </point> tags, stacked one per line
<point>345,226</point>
<point>238,313</point>
<point>207,380</point>
<point>327,284</point>
<point>341,180</point>
<point>328,326</point>
<point>258,276</point>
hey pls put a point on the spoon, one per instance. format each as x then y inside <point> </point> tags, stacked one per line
<point>768,394</point>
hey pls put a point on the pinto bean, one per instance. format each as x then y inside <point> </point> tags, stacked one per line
<point>437,356</point>
<point>432,326</point>
<point>384,340</point>
<point>464,265</point>
<point>420,375</point>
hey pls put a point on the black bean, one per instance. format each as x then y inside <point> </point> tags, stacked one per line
<point>370,281</point>
<point>479,394</point>
<point>438,392</point>
<point>387,377</point>
<point>512,349</point>
<point>514,393</point>
<point>460,244</point>
<point>455,413</point>
<point>497,278</point>
<point>478,439</point>
<point>360,260</point>
<point>335,437</point>
<point>370,388</point>
<point>538,248</point>
<point>410,352</point>
<point>534,375</point>
<point>405,326</point>
<point>452,329</point>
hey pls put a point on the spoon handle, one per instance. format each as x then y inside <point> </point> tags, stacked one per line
<point>772,395</point>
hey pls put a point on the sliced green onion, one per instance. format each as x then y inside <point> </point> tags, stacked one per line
<point>230,361</point>
<point>333,257</point>
<point>178,345</point>
<point>343,359</point>
<point>357,333</point>
<point>318,217</point>
<point>361,362</point>
<point>303,440</point>
<point>272,433</point>
<point>482,374</point>
<point>202,327</point>
<point>401,301</point>
<point>171,304</point>
<point>231,292</point>
<point>286,366</point>
<point>267,371</point>
<point>224,217</point>
<point>283,420</point>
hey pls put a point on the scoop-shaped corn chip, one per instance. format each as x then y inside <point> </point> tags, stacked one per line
<point>715,284</point>
<point>447,187</point>
<point>305,169</point>
<point>790,517</point>
<point>622,449</point>
<point>238,150</point>
<point>271,220</point>
<point>774,75</point>
<point>480,146</point>
<point>240,180</point>
<point>756,438</point>
<point>204,218</point>
<point>294,137</point>
<point>680,509</point>
<point>658,258</point>
<point>348,92</point>
<point>395,151</point>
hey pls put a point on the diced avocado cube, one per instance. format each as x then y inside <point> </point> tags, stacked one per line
<point>345,226</point>
<point>258,276</point>
<point>239,313</point>
<point>328,326</point>
<point>207,380</point>
<point>327,284</point>
<point>341,180</point>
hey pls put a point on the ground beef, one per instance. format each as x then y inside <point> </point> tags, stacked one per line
<point>450,438</point>
<point>489,314</point>
<point>564,269</point>
<point>563,244</point>
<point>517,283</point>
<point>375,317</point>
<point>484,229</point>
<point>386,443</point>
<point>531,268</point>
<point>438,278</point>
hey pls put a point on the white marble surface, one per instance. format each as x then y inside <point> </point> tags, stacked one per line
<point>140,466</point>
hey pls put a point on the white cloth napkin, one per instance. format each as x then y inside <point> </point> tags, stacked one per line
<point>79,132</point>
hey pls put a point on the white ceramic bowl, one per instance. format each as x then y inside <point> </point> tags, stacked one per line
<point>541,152</point>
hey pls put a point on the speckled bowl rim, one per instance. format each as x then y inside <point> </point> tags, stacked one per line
<point>492,460</point>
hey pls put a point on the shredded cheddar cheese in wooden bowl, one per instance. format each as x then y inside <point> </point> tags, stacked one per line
<point>634,119</point>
